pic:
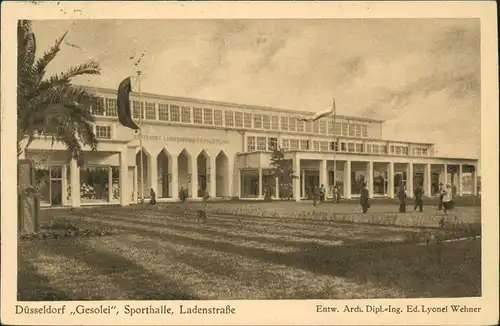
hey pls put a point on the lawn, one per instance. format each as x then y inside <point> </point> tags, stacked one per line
<point>164,253</point>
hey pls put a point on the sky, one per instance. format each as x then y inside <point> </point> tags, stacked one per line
<point>420,75</point>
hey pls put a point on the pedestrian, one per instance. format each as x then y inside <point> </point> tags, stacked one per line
<point>418,198</point>
<point>402,198</point>
<point>363,199</point>
<point>441,192</point>
<point>322,194</point>
<point>337,194</point>
<point>152,197</point>
<point>447,198</point>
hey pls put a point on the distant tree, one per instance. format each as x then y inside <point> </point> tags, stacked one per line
<point>51,106</point>
<point>282,170</point>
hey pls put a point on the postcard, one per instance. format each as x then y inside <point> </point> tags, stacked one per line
<point>249,163</point>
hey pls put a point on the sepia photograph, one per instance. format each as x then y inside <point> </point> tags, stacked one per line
<point>218,159</point>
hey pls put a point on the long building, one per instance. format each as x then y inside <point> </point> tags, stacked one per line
<point>225,149</point>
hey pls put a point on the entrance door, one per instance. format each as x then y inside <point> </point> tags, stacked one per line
<point>312,183</point>
<point>165,185</point>
<point>56,192</point>
<point>202,185</point>
<point>434,183</point>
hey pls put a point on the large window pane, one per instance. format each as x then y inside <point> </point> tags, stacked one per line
<point>94,183</point>
<point>42,179</point>
<point>115,190</point>
<point>249,183</point>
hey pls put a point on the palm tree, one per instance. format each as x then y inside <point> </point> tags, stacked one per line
<point>52,107</point>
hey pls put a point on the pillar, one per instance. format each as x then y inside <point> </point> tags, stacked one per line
<point>427,180</point>
<point>460,183</point>
<point>323,173</point>
<point>445,177</point>
<point>174,177</point>
<point>75,183</point>
<point>296,181</point>
<point>124,190</point>
<point>134,187</point>
<point>213,181</point>
<point>153,175</point>
<point>370,178</point>
<point>303,183</point>
<point>64,184</point>
<point>409,181</point>
<point>347,180</point>
<point>277,189</point>
<point>194,176</point>
<point>390,177</point>
<point>260,183</point>
<point>110,184</point>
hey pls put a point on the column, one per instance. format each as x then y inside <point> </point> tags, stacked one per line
<point>390,177</point>
<point>323,173</point>
<point>370,178</point>
<point>347,180</point>
<point>124,199</point>
<point>474,181</point>
<point>110,184</point>
<point>303,183</point>
<point>277,190</point>
<point>213,181</point>
<point>230,184</point>
<point>427,180</point>
<point>134,186</point>
<point>409,181</point>
<point>153,175</point>
<point>239,184</point>
<point>460,184</point>
<point>75,183</point>
<point>174,176</point>
<point>296,181</point>
<point>445,178</point>
<point>64,185</point>
<point>194,176</point>
<point>260,183</point>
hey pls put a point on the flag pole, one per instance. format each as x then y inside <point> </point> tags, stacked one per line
<point>140,136</point>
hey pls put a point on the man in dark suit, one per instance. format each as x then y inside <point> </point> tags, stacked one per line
<point>363,199</point>
<point>419,193</point>
<point>402,198</point>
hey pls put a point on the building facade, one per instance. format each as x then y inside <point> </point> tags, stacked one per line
<point>225,149</point>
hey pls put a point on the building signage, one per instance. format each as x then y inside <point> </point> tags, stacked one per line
<point>183,139</point>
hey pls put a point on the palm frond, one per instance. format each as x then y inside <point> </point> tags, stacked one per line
<point>88,68</point>
<point>42,63</point>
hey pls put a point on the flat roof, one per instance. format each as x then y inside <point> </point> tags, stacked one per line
<point>224,104</point>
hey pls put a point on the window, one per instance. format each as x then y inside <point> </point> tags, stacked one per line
<point>217,117</point>
<point>272,143</point>
<point>357,130</point>
<point>364,130</point>
<point>261,143</point>
<point>359,148</point>
<point>392,149</point>
<point>375,149</point>
<point>397,150</point>
<point>175,113</point>
<point>98,107</point>
<point>284,123</point>
<point>229,118</point>
<point>294,144</point>
<point>150,111</point>
<point>250,143</point>
<point>350,147</point>
<point>275,125</point>
<point>103,132</point>
<point>247,120</point>
<point>207,117</point>
<point>137,109</point>
<point>383,149</point>
<point>333,146</point>
<point>338,128</point>
<point>186,114</point>
<point>316,127</point>
<point>368,148</point>
<point>257,121</point>
<point>266,121</point>
<point>404,150</point>
<point>345,129</point>
<point>352,132</point>
<point>300,126</point>
<point>308,125</point>
<point>292,124</point>
<point>315,145</point>
<point>285,144</point>
<point>304,144</point>
<point>163,111</point>
<point>198,115</point>
<point>342,147</point>
<point>111,107</point>
<point>238,119</point>
<point>322,127</point>
<point>324,146</point>
<point>425,152</point>
<point>330,127</point>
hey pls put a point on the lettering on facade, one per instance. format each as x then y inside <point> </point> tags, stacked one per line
<point>183,139</point>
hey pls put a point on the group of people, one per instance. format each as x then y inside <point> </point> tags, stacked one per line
<point>445,198</point>
<point>318,194</point>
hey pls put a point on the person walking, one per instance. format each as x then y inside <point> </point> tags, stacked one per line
<point>441,192</point>
<point>322,194</point>
<point>363,200</point>
<point>419,203</point>
<point>402,198</point>
<point>447,198</point>
<point>152,197</point>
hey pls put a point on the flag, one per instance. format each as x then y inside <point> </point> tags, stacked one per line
<point>123,104</point>
<point>320,115</point>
